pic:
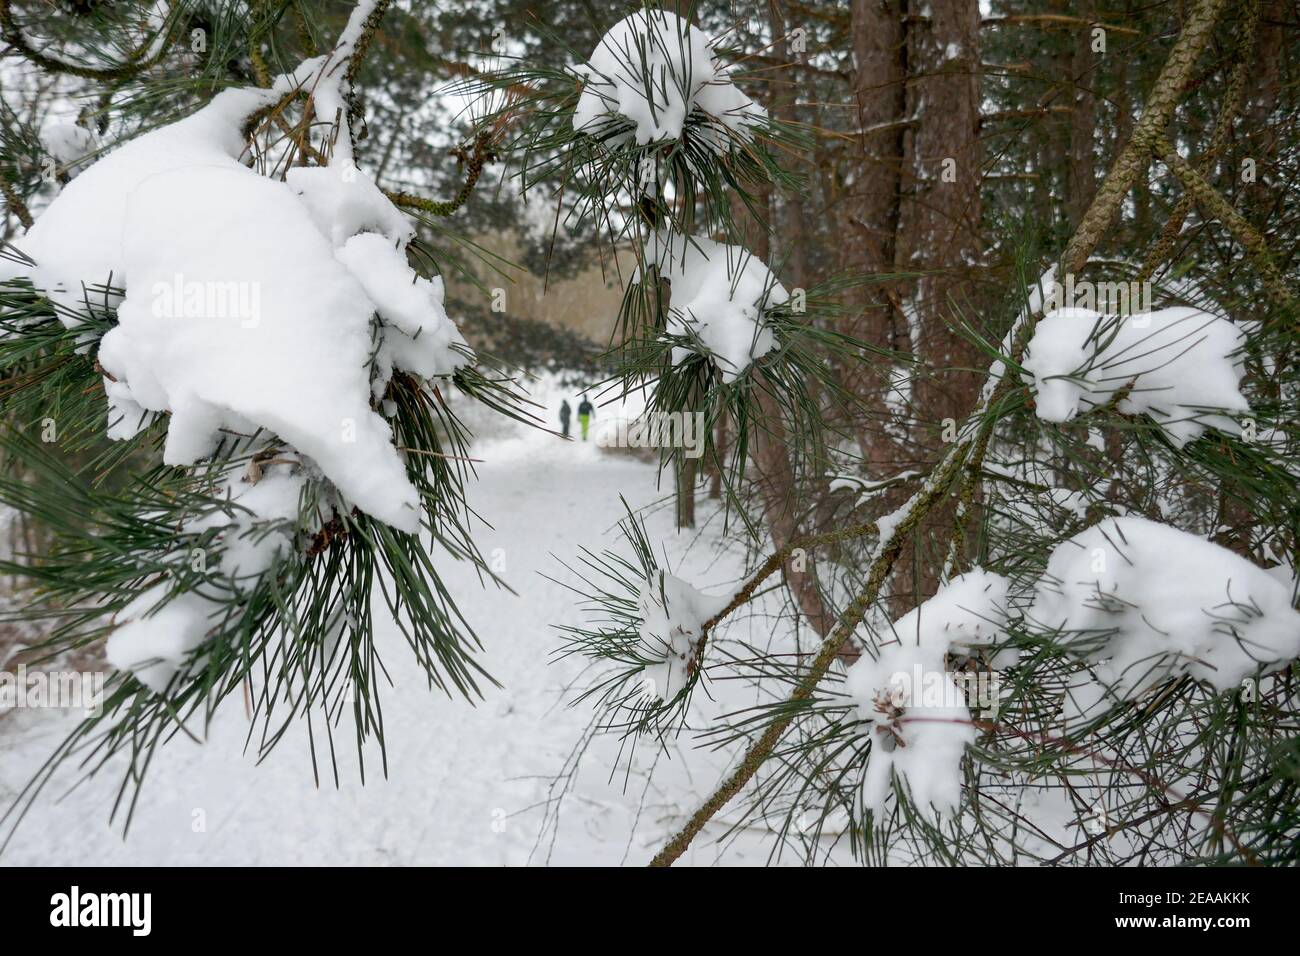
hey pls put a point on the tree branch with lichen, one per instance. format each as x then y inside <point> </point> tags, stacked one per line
<point>472,157</point>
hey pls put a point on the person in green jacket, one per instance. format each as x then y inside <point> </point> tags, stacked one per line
<point>585,414</point>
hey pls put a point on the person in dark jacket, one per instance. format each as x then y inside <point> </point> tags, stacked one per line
<point>585,415</point>
<point>565,412</point>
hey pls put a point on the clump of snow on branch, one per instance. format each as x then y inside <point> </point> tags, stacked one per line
<point>1178,365</point>
<point>343,201</point>
<point>646,77</point>
<point>920,732</point>
<point>72,147</point>
<point>155,635</point>
<point>257,523</point>
<point>418,337</point>
<point>915,712</point>
<point>720,294</point>
<point>175,220</point>
<point>245,304</point>
<point>1144,602</point>
<point>968,613</point>
<point>672,614</point>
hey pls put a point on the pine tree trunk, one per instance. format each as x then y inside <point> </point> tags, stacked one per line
<point>1083,120</point>
<point>939,234</point>
<point>879,95</point>
<point>781,500</point>
<point>686,493</point>
<point>791,227</point>
<point>939,218</point>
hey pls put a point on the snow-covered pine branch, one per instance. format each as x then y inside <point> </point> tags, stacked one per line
<point>256,325</point>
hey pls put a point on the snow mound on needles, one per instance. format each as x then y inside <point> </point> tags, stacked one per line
<point>921,728</point>
<point>1145,602</point>
<point>673,615</point>
<point>720,294</point>
<point>1179,365</point>
<point>652,70</point>
<point>246,302</point>
<point>911,705</point>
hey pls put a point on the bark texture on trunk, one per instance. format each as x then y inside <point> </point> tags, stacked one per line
<point>940,212</point>
<point>1083,119</point>
<point>938,234</point>
<point>872,203</point>
<point>782,500</point>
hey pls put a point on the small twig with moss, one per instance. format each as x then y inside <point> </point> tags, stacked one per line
<point>1212,201</point>
<point>1218,142</point>
<point>473,157</point>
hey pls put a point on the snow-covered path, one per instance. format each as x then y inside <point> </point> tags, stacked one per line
<point>466,784</point>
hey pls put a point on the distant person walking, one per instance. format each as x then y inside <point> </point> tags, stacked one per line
<point>585,414</point>
<point>565,412</point>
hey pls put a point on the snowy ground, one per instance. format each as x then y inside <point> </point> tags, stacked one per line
<point>466,784</point>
